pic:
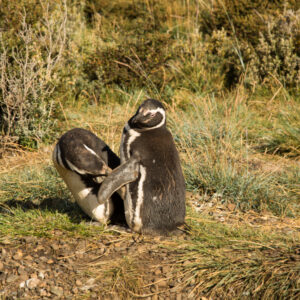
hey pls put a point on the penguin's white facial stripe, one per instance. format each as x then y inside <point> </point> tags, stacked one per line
<point>59,160</point>
<point>90,150</point>
<point>152,113</point>
<point>140,199</point>
<point>74,168</point>
<point>163,113</point>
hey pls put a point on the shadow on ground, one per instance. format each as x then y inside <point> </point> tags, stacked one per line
<point>63,206</point>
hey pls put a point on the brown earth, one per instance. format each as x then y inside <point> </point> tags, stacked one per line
<point>41,268</point>
<point>115,265</point>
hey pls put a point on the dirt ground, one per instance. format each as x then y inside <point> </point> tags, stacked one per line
<point>116,265</point>
<point>40,268</point>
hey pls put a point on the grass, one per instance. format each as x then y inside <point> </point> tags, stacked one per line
<point>252,252</point>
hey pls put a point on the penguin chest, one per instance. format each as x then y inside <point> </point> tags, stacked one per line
<point>84,196</point>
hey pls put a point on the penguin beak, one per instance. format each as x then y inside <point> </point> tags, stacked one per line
<point>139,117</point>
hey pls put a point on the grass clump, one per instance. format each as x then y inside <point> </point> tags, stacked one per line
<point>219,158</point>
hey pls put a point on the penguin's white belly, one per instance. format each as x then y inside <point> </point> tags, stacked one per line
<point>84,196</point>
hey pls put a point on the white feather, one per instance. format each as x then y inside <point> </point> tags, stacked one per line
<point>74,168</point>
<point>140,199</point>
<point>90,150</point>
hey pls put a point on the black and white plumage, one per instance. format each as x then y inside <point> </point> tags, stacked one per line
<point>82,160</point>
<point>150,168</point>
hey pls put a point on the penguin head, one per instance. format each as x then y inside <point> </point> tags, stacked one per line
<point>150,115</point>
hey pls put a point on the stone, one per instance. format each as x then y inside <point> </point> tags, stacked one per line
<point>11,278</point>
<point>32,283</point>
<point>18,255</point>
<point>57,290</point>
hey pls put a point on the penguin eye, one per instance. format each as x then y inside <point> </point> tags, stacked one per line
<point>150,115</point>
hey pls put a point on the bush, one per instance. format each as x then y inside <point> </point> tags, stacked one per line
<point>259,39</point>
<point>29,58</point>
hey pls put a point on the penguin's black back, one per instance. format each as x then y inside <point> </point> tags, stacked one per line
<point>72,146</point>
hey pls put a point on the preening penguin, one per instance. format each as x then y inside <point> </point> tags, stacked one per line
<point>150,168</point>
<point>82,159</point>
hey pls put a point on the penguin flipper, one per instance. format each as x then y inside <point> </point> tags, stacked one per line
<point>125,173</point>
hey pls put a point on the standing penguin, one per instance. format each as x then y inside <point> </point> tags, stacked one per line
<point>150,168</point>
<point>82,160</point>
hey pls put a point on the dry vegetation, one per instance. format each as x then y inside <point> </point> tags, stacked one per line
<point>233,108</point>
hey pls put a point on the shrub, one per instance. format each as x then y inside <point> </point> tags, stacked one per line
<point>28,63</point>
<point>259,39</point>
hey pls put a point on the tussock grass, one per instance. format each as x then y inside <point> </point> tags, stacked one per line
<point>219,157</point>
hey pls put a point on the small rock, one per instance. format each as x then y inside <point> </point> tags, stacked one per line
<point>21,270</point>
<point>157,272</point>
<point>231,206</point>
<point>33,275</point>
<point>18,255</point>
<point>41,275</point>
<point>11,278</point>
<point>90,281</point>
<point>55,247</point>
<point>28,257</point>
<point>22,285</point>
<point>57,290</point>
<point>3,253</point>
<point>32,283</point>
<point>78,282</point>
<point>43,293</point>
<point>50,261</point>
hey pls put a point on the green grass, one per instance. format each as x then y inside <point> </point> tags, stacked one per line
<point>35,202</point>
<point>219,157</point>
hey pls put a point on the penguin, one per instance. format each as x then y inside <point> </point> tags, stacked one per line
<point>82,160</point>
<point>151,171</point>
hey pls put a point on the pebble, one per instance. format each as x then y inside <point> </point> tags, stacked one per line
<point>43,293</point>
<point>50,261</point>
<point>18,255</point>
<point>78,282</point>
<point>55,247</point>
<point>32,283</point>
<point>41,275</point>
<point>11,278</point>
<point>57,290</point>
<point>28,257</point>
<point>157,272</point>
<point>21,270</point>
